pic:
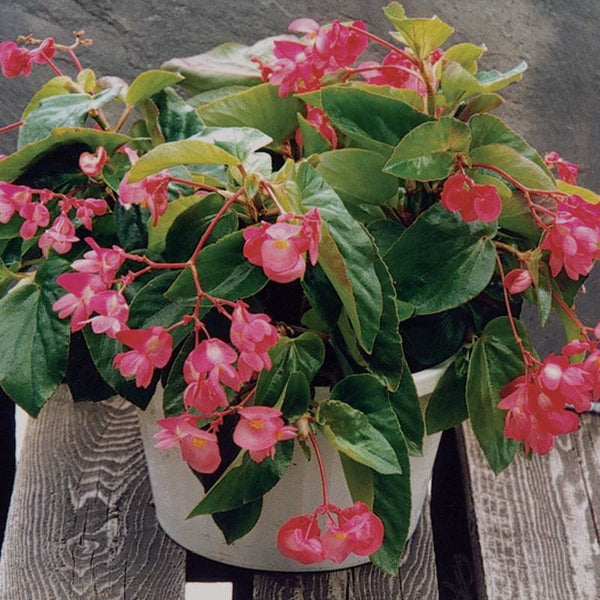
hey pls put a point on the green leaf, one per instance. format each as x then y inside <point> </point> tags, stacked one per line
<point>86,78</point>
<point>181,152</point>
<point>349,431</point>
<point>421,35</point>
<point>216,94</point>
<point>176,384</point>
<point>188,227</point>
<point>35,342</point>
<point>236,523</point>
<point>149,83</point>
<point>447,405</point>
<point>14,165</point>
<point>357,176</point>
<point>429,151</point>
<point>495,361</point>
<point>223,272</point>
<point>239,141</point>
<point>322,297</point>
<point>177,120</point>
<point>385,232</point>
<point>586,194</point>
<point>132,229</point>
<point>157,236</point>
<point>64,110</point>
<point>407,408</point>
<point>457,265</point>
<point>259,107</point>
<point>481,103</point>
<point>245,481</point>
<point>371,120</point>
<point>464,54</point>
<point>457,83</point>
<point>296,397</point>
<point>313,141</point>
<point>492,81</point>
<point>359,479</point>
<point>304,354</point>
<point>226,65</point>
<point>54,87</point>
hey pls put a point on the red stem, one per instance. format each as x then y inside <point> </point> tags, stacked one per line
<point>313,441</point>
<point>571,315</point>
<point>385,44</point>
<point>75,60</point>
<point>10,127</point>
<point>51,64</point>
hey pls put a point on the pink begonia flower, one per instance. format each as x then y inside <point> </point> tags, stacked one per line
<point>151,192</point>
<point>294,69</point>
<point>318,119</point>
<point>60,236</point>
<point>81,287</point>
<point>44,52</point>
<point>300,539</point>
<point>279,248</point>
<point>104,261</point>
<point>13,198</point>
<point>253,335</point>
<point>112,310</point>
<point>35,215</point>
<point>259,429</point>
<point>565,170</point>
<point>517,281</point>
<point>88,208</point>
<point>358,531</point>
<point>208,366</point>
<point>337,46</point>
<point>572,381</point>
<point>534,416</point>
<point>199,448</point>
<point>150,348</point>
<point>473,202</point>
<point>14,60</point>
<point>92,164</point>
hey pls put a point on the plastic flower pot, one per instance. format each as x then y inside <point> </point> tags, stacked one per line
<point>177,491</point>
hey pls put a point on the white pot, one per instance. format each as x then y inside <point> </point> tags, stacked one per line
<point>177,491</point>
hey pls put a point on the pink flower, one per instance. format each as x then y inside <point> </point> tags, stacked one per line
<point>44,52</point>
<point>104,261</point>
<point>151,192</point>
<point>473,202</point>
<point>566,171</point>
<point>199,448</point>
<point>60,236</point>
<point>151,348</point>
<point>253,335</point>
<point>81,287</point>
<point>14,60</point>
<point>572,381</point>
<point>294,69</point>
<point>300,539</point>
<point>337,46</point>
<point>358,531</point>
<point>35,215</point>
<point>112,310</point>
<point>92,164</point>
<point>259,429</point>
<point>88,208</point>
<point>517,281</point>
<point>12,198</point>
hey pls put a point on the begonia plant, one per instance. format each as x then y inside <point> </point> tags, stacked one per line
<point>323,208</point>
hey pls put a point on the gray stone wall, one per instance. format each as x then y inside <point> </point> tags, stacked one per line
<point>555,107</point>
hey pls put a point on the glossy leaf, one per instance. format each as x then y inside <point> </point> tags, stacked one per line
<point>239,141</point>
<point>312,139</point>
<point>177,120</point>
<point>429,151</point>
<point>495,361</point>
<point>586,194</point>
<point>458,264</point>
<point>131,225</point>
<point>457,83</point>
<point>348,429</point>
<point>359,480</point>
<point>464,54</point>
<point>407,408</point>
<point>54,87</point>
<point>481,103</point>
<point>35,342</point>
<point>176,384</point>
<point>236,523</point>
<point>296,397</point>
<point>149,83</point>
<point>492,81</point>
<point>181,152</point>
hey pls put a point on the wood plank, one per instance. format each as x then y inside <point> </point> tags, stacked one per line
<point>535,526</point>
<point>81,522</point>
<point>416,579</point>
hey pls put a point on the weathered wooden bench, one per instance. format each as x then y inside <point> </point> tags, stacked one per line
<point>82,525</point>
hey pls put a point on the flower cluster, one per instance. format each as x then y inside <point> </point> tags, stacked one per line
<point>354,529</point>
<point>565,170</point>
<point>16,60</point>
<point>473,202</point>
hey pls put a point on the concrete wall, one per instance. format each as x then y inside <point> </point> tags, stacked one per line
<point>556,107</point>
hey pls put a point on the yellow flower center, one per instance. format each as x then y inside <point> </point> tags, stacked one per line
<point>256,424</point>
<point>282,244</point>
<point>198,442</point>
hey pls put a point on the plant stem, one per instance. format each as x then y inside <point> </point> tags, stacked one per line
<point>385,44</point>
<point>123,118</point>
<point>322,473</point>
<point>10,127</point>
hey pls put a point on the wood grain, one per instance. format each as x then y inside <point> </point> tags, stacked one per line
<point>535,526</point>
<point>81,523</point>
<point>416,579</point>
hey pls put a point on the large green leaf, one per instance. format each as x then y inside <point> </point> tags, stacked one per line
<point>348,430</point>
<point>259,107</point>
<point>407,408</point>
<point>357,176</point>
<point>495,361</point>
<point>63,110</point>
<point>441,262</point>
<point>429,151</point>
<point>177,120</point>
<point>313,141</point>
<point>245,481</point>
<point>35,342</point>
<point>223,272</point>
<point>149,83</point>
<point>236,523</point>
<point>373,121</point>
<point>465,54</point>
<point>239,141</point>
<point>304,354</point>
<point>229,64</point>
<point>586,194</point>
<point>181,152</point>
<point>346,255</point>
<point>457,83</point>
<point>14,165</point>
<point>53,87</point>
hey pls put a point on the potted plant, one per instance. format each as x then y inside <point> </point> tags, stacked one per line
<point>282,248</point>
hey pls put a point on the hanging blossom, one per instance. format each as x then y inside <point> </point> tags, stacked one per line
<point>280,248</point>
<point>354,529</point>
<point>565,170</point>
<point>517,281</point>
<point>573,239</point>
<point>16,60</point>
<point>92,164</point>
<point>81,288</point>
<point>151,193</point>
<point>473,202</point>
